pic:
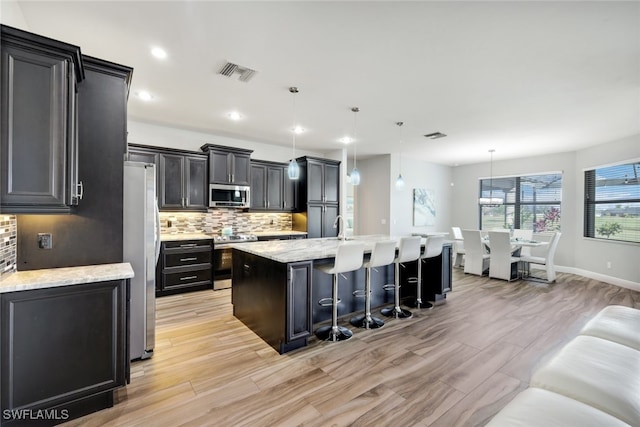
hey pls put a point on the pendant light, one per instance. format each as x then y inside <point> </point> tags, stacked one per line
<point>293,170</point>
<point>355,175</point>
<point>400,180</point>
<point>490,201</point>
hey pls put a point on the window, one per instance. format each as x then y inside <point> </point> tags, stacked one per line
<point>612,202</point>
<point>529,202</point>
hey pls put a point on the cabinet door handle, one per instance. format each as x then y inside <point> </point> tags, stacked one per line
<point>188,259</point>
<point>189,245</point>
<point>268,203</point>
<point>80,189</point>
<point>188,277</point>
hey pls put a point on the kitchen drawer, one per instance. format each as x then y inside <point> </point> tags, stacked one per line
<point>188,244</point>
<point>181,258</point>
<point>187,278</point>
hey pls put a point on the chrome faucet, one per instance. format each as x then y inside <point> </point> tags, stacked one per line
<point>340,229</point>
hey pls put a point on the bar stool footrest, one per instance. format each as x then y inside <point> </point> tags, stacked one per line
<point>389,287</point>
<point>327,302</point>
<point>359,293</point>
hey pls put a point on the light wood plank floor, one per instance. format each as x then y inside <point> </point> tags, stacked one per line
<point>455,365</point>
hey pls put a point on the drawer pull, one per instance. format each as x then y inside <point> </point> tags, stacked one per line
<point>188,277</point>
<point>190,245</point>
<point>188,259</point>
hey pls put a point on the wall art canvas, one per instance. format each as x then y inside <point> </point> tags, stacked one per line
<point>424,207</point>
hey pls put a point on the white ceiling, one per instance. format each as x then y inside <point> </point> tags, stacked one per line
<point>525,78</point>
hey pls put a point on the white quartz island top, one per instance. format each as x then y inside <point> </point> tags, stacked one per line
<point>52,277</point>
<point>286,251</point>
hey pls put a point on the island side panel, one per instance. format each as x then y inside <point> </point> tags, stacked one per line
<point>273,299</point>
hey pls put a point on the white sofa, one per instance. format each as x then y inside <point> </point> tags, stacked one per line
<point>593,381</point>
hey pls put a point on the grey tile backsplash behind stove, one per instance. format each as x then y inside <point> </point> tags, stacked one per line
<point>214,220</point>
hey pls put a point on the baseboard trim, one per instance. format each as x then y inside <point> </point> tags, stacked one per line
<point>628,284</point>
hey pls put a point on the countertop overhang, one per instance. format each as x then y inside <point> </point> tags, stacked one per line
<point>286,251</point>
<point>66,276</point>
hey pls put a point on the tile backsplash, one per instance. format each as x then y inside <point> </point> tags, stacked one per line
<point>215,219</point>
<point>8,244</point>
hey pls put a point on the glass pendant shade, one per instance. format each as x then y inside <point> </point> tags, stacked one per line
<point>355,177</point>
<point>400,182</point>
<point>293,170</point>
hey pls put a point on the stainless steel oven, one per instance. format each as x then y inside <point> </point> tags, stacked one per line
<point>223,258</point>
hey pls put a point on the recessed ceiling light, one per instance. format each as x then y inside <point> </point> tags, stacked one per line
<point>298,130</point>
<point>144,95</point>
<point>346,139</point>
<point>159,53</point>
<point>234,115</point>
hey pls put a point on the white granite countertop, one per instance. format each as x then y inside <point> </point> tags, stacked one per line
<point>286,251</point>
<point>52,277</point>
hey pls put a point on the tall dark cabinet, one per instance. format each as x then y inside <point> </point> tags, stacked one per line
<point>93,233</point>
<point>318,197</point>
<point>38,122</point>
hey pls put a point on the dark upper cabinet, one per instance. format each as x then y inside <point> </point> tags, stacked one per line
<point>289,192</point>
<point>139,154</point>
<point>182,182</point>
<point>228,165</point>
<point>322,181</point>
<point>38,122</point>
<point>269,187</point>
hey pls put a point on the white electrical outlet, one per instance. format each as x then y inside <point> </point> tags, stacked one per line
<point>608,264</point>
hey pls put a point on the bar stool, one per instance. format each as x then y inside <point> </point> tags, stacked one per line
<point>409,251</point>
<point>383,253</point>
<point>433,248</point>
<point>348,258</point>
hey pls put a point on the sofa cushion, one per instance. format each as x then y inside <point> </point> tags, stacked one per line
<point>616,323</point>
<point>536,407</point>
<point>597,372</point>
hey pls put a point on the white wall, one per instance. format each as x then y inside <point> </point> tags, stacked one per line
<point>382,209</point>
<point>372,198</point>
<point>592,255</point>
<point>419,174</point>
<point>165,136</point>
<point>575,253</point>
<point>11,14</point>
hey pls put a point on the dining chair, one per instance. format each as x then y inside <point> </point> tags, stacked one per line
<point>503,265</point>
<point>476,258</point>
<point>546,259</point>
<point>523,235</point>
<point>458,247</point>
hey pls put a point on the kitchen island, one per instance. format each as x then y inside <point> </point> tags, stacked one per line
<point>276,288</point>
<point>63,341</point>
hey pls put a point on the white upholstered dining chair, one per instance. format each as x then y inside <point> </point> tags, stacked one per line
<point>458,247</point>
<point>503,265</point>
<point>546,258</point>
<point>476,258</point>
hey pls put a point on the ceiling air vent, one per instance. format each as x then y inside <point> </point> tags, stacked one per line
<point>244,73</point>
<point>435,135</point>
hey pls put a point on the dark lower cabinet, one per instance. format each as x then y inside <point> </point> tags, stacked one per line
<point>184,266</point>
<point>64,350</point>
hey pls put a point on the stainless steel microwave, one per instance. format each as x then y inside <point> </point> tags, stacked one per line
<point>229,196</point>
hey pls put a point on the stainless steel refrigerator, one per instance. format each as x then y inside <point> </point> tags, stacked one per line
<point>141,249</point>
